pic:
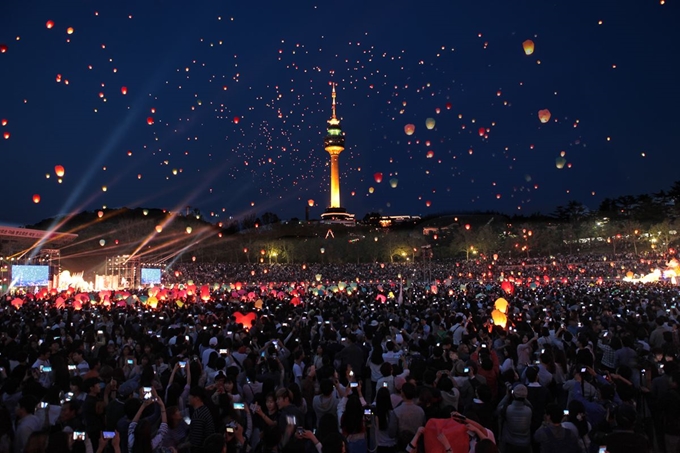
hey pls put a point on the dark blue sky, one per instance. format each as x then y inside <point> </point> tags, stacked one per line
<point>200,65</point>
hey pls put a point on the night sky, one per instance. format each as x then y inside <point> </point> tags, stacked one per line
<point>238,94</point>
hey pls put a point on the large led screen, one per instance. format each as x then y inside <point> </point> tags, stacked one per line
<point>151,276</point>
<point>28,275</point>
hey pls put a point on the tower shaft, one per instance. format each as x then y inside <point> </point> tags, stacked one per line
<point>335,181</point>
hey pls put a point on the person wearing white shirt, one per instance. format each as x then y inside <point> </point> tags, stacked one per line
<point>27,422</point>
<point>393,355</point>
<point>205,356</point>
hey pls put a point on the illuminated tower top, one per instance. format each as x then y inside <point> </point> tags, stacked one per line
<point>334,142</point>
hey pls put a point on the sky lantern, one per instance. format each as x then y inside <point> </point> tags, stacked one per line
<point>501,305</point>
<point>310,203</point>
<point>49,24</point>
<point>507,287</point>
<point>3,122</point>
<point>123,90</point>
<point>559,162</point>
<point>448,106</point>
<point>100,214</point>
<point>409,129</point>
<point>371,190</point>
<point>430,154</point>
<point>430,123</point>
<point>149,120</point>
<point>544,115</point>
<point>6,135</point>
<point>70,30</point>
<point>394,182</point>
<point>499,318</point>
<point>59,170</point>
<point>159,228</point>
<point>102,242</point>
<point>378,177</point>
<point>205,293</point>
<point>428,203</point>
<point>245,320</point>
<point>36,198</point>
<point>528,46</point>
<point>3,48</point>
<point>482,131</point>
<point>437,110</point>
<point>236,120</point>
<point>189,230</point>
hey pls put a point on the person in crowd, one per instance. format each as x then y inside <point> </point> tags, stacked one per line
<point>139,432</point>
<point>385,422</point>
<point>202,423</point>
<point>27,422</point>
<point>552,436</point>
<point>515,414</point>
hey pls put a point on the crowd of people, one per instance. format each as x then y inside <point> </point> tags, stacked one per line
<point>407,359</point>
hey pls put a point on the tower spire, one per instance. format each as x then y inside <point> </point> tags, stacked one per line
<point>333,96</point>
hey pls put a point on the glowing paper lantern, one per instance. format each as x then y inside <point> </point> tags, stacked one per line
<point>49,24</point>
<point>559,162</point>
<point>36,198</point>
<point>394,182</point>
<point>152,302</point>
<point>428,203</point>
<point>544,115</point>
<point>70,30</point>
<point>189,230</point>
<point>501,305</point>
<point>4,122</point>
<point>378,177</point>
<point>149,120</point>
<point>507,287</point>
<point>310,203</point>
<point>236,120</point>
<point>123,90</point>
<point>59,170</point>
<point>3,48</point>
<point>482,131</point>
<point>448,106</point>
<point>159,228</point>
<point>371,190</point>
<point>409,129</point>
<point>205,293</point>
<point>430,123</point>
<point>17,303</point>
<point>430,154</point>
<point>499,319</point>
<point>6,135</point>
<point>528,46</point>
<point>102,242</point>
<point>247,320</point>
<point>100,214</point>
